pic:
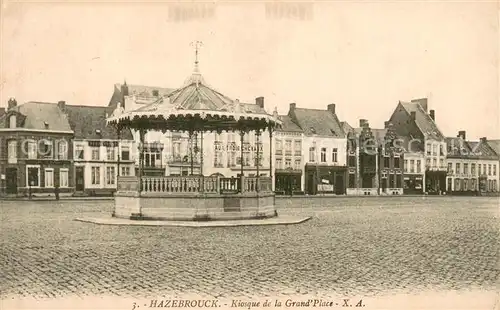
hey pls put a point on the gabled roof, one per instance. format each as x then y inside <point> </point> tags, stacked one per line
<point>378,134</point>
<point>494,145</point>
<point>85,120</point>
<point>37,114</point>
<point>320,122</point>
<point>137,90</point>
<point>288,125</point>
<point>458,147</point>
<point>346,127</point>
<point>424,122</point>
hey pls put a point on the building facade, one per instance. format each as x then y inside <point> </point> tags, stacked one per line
<point>412,121</point>
<point>100,152</point>
<point>36,151</point>
<point>324,150</point>
<point>472,167</point>
<point>375,161</point>
<point>288,158</point>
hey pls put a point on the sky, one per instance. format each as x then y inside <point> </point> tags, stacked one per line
<point>362,56</point>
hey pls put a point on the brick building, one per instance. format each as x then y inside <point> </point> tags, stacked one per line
<point>35,150</point>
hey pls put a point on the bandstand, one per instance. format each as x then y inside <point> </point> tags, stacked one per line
<point>195,109</point>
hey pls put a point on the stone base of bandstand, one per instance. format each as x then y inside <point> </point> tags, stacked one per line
<point>194,206</point>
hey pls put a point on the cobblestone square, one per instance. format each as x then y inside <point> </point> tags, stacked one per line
<point>367,246</point>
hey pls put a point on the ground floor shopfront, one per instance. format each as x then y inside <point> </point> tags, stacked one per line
<point>413,184</point>
<point>471,186</point>
<point>435,182</point>
<point>323,179</point>
<point>288,182</point>
<point>39,178</point>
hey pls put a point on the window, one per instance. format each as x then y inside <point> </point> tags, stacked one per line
<point>466,168</point>
<point>31,149</point>
<point>419,168</point>
<point>406,165</point>
<point>279,146</point>
<point>95,175</point>
<point>297,164</point>
<point>450,167</point>
<point>396,162</point>
<point>441,150</point>
<point>323,155</point>
<point>49,177</point>
<point>46,150</point>
<point>95,153</point>
<point>79,152</point>
<point>110,153</point>
<point>288,146</point>
<point>489,169</point>
<point>288,163</point>
<point>231,159</point>
<point>352,161</point>
<point>428,149</point>
<point>63,177</point>
<point>428,162</point>
<point>434,150</point>
<point>434,162</point>
<point>217,159</point>
<point>125,153</point>
<point>457,184</point>
<point>387,163</point>
<point>312,154</point>
<point>12,121</point>
<point>110,175</point>
<point>352,180</point>
<point>457,168</point>
<point>279,164</point>
<point>399,181</point>
<point>246,159</point>
<point>479,169</point>
<point>441,163</point>
<point>334,155</point>
<point>62,150</point>
<point>125,171</point>
<point>12,152</point>
<point>472,169</point>
<point>412,166</point>
<point>297,146</point>
<point>33,176</point>
<point>495,170</point>
<point>152,156</point>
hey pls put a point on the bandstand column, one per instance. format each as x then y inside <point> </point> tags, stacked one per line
<point>271,155</point>
<point>257,135</point>
<point>202,185</point>
<point>141,157</point>
<point>242,134</point>
<point>118,136</point>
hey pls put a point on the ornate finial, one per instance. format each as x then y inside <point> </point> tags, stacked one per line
<point>275,112</point>
<point>197,45</point>
<point>124,82</point>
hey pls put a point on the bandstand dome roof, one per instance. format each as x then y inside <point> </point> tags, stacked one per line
<point>195,106</point>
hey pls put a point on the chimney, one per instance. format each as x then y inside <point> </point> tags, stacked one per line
<point>363,123</point>
<point>413,115</point>
<point>331,108</point>
<point>12,103</point>
<point>422,102</point>
<point>432,114</point>
<point>461,134</point>
<point>155,93</point>
<point>483,139</point>
<point>62,105</point>
<point>260,102</point>
<point>2,112</point>
<point>387,124</point>
<point>292,106</point>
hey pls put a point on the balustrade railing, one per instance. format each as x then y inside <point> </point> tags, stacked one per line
<point>195,184</point>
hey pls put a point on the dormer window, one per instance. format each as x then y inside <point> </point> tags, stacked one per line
<point>46,125</point>
<point>12,121</point>
<point>333,132</point>
<point>313,130</point>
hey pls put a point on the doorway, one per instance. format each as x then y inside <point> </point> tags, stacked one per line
<point>339,184</point>
<point>11,180</point>
<point>311,184</point>
<point>80,179</point>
